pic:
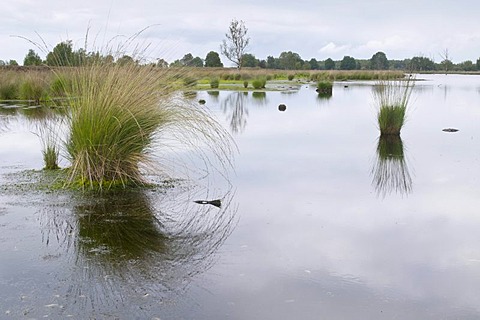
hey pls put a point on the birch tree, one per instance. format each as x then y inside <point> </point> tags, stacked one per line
<point>236,42</point>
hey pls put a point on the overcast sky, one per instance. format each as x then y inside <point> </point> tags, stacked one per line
<point>312,28</point>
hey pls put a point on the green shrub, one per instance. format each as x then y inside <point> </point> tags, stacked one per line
<point>237,76</point>
<point>245,84</point>
<point>214,83</point>
<point>259,83</point>
<point>290,77</point>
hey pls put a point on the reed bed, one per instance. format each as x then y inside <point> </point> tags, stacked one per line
<point>25,84</point>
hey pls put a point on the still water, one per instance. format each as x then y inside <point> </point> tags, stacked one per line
<point>320,219</point>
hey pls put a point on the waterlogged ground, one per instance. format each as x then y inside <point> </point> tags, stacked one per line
<point>320,220</point>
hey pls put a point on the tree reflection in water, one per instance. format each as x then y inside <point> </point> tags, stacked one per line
<point>235,107</point>
<point>137,244</point>
<point>390,171</point>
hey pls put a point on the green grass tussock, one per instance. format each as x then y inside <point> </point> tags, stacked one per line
<point>392,99</point>
<point>33,88</point>
<point>325,87</point>
<point>9,85</point>
<point>114,115</point>
<point>117,114</point>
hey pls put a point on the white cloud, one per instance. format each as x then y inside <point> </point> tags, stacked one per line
<point>332,48</point>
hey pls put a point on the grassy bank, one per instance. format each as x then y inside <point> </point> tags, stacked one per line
<point>42,84</point>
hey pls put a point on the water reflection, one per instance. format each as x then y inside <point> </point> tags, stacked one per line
<point>390,171</point>
<point>323,98</point>
<point>234,106</point>
<point>136,244</point>
<point>259,98</point>
<point>213,95</point>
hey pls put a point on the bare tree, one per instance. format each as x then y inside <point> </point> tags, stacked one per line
<point>233,48</point>
<point>446,60</point>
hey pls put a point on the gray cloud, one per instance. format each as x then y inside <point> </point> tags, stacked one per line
<point>312,29</point>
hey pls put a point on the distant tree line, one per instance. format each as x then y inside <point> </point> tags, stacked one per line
<point>63,54</point>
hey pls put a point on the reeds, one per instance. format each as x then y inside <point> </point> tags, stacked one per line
<point>391,98</point>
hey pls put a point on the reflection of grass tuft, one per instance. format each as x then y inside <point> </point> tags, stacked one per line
<point>390,172</point>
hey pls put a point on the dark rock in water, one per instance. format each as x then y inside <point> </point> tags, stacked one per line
<point>282,107</point>
<point>216,203</point>
<point>201,101</point>
<point>450,130</point>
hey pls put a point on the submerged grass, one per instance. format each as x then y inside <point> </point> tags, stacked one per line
<point>392,99</point>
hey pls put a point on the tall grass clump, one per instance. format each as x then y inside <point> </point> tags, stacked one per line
<point>33,88</point>
<point>214,83</point>
<point>392,99</point>
<point>114,115</point>
<point>117,112</point>
<point>50,157</point>
<point>59,83</point>
<point>9,85</point>
<point>325,87</point>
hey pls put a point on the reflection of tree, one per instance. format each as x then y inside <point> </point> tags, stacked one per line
<point>134,244</point>
<point>390,172</point>
<point>235,103</point>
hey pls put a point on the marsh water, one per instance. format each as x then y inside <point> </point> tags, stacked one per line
<point>320,219</point>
